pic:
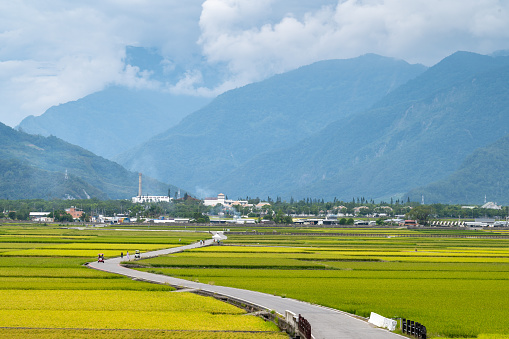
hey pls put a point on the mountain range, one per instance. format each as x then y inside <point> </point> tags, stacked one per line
<point>118,118</point>
<point>369,126</point>
<point>418,134</point>
<point>270,115</point>
<point>279,138</point>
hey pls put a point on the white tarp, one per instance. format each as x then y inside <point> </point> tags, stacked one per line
<point>219,236</point>
<point>380,321</point>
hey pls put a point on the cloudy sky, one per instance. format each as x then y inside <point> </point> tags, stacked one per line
<point>56,51</point>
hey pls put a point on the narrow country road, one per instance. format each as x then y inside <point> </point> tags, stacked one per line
<point>325,323</point>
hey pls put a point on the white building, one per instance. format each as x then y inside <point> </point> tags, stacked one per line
<point>150,198</point>
<point>171,221</point>
<point>245,221</point>
<point>214,201</point>
<point>491,205</point>
<point>221,199</point>
<point>40,216</point>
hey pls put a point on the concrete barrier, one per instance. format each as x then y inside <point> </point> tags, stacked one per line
<point>293,322</point>
<point>380,321</point>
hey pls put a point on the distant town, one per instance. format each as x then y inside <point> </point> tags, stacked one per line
<point>222,210</point>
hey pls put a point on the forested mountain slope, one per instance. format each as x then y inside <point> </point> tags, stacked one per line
<point>36,167</point>
<point>484,173</point>
<point>417,134</point>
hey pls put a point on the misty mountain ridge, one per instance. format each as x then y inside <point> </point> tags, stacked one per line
<point>369,126</point>
<point>269,115</point>
<point>117,118</point>
<point>408,139</point>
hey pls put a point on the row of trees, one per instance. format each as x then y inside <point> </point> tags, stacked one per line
<point>313,206</point>
<point>20,209</point>
<point>279,210</point>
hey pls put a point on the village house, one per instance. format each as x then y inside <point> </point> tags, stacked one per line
<point>221,199</point>
<point>75,213</point>
<point>40,216</point>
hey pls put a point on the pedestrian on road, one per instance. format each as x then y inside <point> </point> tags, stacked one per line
<point>121,255</point>
<point>127,255</point>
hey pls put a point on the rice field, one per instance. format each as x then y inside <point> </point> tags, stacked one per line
<point>88,333</point>
<point>456,287</point>
<point>122,309</point>
<point>56,296</point>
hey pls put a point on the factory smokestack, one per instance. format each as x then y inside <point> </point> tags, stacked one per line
<point>139,185</point>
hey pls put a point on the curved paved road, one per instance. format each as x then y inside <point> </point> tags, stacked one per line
<point>325,323</point>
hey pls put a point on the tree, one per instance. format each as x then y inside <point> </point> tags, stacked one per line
<point>349,221</point>
<point>421,213</point>
<point>238,208</point>
<point>61,216</point>
<point>282,218</point>
<point>154,210</point>
<point>136,210</point>
<point>85,217</point>
<point>201,219</point>
<point>12,215</point>
<point>364,211</point>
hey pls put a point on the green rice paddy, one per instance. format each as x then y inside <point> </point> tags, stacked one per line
<point>456,287</point>
<point>41,267</point>
<point>454,282</point>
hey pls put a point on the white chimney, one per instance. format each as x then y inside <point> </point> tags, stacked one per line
<point>139,185</point>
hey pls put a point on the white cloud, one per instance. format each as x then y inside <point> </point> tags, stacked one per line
<point>56,51</point>
<point>423,31</point>
<point>188,83</point>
